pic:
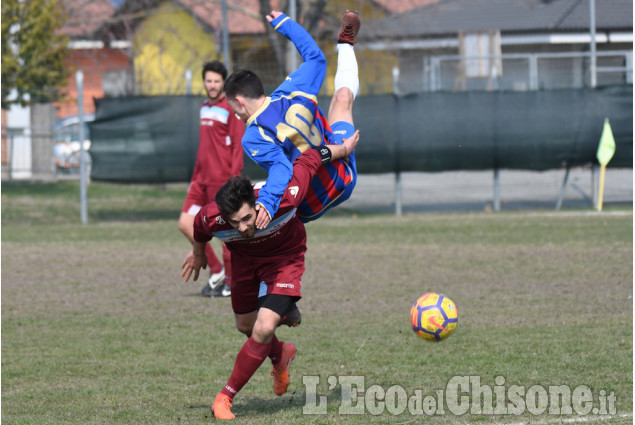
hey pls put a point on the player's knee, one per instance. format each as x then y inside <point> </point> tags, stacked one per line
<point>183,225</point>
<point>263,331</point>
<point>343,98</point>
<point>244,327</point>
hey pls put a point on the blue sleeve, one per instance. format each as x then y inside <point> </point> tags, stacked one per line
<point>272,158</point>
<point>309,76</point>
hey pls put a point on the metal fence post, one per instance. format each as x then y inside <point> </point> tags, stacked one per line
<point>497,190</point>
<point>398,195</point>
<point>188,81</point>
<point>533,72</point>
<point>594,77</point>
<point>225,35</point>
<point>79,78</point>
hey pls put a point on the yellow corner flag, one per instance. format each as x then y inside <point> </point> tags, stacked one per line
<point>606,150</point>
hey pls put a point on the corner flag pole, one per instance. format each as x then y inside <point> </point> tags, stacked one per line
<point>601,190</point>
<point>606,150</point>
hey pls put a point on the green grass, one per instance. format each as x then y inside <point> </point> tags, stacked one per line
<point>98,328</point>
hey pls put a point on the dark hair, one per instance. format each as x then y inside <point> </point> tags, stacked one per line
<point>215,66</point>
<point>244,83</point>
<point>233,194</point>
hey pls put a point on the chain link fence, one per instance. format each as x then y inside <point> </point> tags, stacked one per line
<point>33,153</point>
<point>522,72</point>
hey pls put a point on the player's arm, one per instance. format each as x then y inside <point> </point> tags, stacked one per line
<point>270,156</point>
<point>309,76</point>
<point>197,258</point>
<point>307,165</point>
<point>194,261</point>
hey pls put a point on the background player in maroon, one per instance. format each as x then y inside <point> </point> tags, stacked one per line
<point>219,157</point>
<point>268,265</point>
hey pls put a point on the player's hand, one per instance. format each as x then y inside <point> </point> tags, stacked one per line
<point>273,15</point>
<point>263,219</point>
<point>193,263</point>
<point>351,143</point>
<point>346,148</point>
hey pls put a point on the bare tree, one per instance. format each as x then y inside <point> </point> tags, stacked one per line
<point>309,12</point>
<point>123,25</point>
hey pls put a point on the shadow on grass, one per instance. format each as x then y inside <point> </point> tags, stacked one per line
<point>252,406</point>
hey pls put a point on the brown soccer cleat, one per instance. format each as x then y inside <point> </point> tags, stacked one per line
<point>350,27</point>
<point>221,407</point>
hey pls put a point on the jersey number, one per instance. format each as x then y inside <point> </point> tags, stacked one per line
<point>296,128</point>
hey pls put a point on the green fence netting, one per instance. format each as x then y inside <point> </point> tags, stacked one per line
<point>154,139</point>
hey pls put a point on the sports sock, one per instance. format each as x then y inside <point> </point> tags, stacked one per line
<point>276,350</point>
<point>347,74</point>
<point>249,359</point>
<point>215,266</point>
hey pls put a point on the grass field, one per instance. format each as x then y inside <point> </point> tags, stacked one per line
<point>98,328</point>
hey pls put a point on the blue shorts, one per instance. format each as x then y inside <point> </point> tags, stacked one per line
<point>334,182</point>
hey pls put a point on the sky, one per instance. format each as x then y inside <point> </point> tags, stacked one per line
<point>117,3</point>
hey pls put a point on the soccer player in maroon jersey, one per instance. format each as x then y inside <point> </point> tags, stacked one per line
<point>219,157</point>
<point>267,267</point>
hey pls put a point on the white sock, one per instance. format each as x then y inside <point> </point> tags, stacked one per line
<point>347,73</point>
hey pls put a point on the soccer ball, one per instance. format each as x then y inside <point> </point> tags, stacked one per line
<point>434,317</point>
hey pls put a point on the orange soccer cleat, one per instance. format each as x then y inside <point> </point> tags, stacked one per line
<point>280,371</point>
<point>221,409</point>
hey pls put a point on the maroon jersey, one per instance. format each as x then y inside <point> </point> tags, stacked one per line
<point>220,154</point>
<point>284,235</point>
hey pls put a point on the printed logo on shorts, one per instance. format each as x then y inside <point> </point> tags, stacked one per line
<point>294,190</point>
<point>285,285</point>
<point>220,220</point>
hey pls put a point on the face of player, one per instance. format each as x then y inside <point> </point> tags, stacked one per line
<point>244,220</point>
<point>214,85</point>
<point>239,110</point>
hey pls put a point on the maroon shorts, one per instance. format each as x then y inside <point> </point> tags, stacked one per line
<point>253,279</point>
<point>197,196</point>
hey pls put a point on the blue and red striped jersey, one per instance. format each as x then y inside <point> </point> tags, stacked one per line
<point>290,121</point>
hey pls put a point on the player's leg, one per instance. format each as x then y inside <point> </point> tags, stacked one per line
<point>249,358</point>
<point>195,199</point>
<point>278,302</point>
<point>251,355</point>
<point>245,322</point>
<point>346,81</point>
<point>274,307</point>
<point>223,287</point>
<point>336,180</point>
<point>262,343</point>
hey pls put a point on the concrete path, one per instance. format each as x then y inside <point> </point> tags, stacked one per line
<point>474,190</point>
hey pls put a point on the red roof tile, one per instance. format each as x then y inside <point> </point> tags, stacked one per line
<point>85,16</point>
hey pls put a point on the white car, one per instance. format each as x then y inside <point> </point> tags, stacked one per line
<point>66,152</point>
